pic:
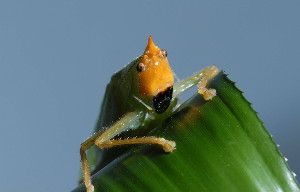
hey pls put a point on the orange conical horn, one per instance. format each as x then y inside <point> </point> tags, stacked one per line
<point>151,49</point>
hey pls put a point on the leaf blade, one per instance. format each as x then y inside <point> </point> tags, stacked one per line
<point>221,146</point>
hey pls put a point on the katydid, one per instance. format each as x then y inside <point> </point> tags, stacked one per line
<point>140,93</point>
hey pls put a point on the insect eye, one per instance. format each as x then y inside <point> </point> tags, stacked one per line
<point>141,67</point>
<point>164,53</point>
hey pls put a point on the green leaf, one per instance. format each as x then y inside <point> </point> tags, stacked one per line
<point>221,146</point>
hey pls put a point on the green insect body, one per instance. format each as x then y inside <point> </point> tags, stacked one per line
<point>138,98</point>
<point>118,99</point>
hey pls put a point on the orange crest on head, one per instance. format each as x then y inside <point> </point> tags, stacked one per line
<point>155,74</point>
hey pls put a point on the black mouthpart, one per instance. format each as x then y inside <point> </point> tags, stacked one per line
<point>162,100</point>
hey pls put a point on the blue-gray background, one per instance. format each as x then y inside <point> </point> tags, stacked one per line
<point>57,56</point>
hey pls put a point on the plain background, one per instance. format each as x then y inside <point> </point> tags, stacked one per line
<point>57,56</point>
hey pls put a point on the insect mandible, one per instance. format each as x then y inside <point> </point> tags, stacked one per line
<point>141,92</point>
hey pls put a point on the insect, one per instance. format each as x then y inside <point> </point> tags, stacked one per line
<point>137,95</point>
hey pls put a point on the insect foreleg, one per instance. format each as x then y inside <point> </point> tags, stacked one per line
<point>104,139</point>
<point>131,120</point>
<point>168,146</point>
<point>85,167</point>
<point>202,79</point>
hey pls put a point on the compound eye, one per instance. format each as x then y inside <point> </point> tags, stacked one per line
<point>164,53</point>
<point>141,67</point>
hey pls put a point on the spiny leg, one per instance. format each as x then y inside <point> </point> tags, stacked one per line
<point>167,146</point>
<point>86,170</point>
<point>84,163</point>
<point>202,79</point>
<point>129,121</point>
<point>103,139</point>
